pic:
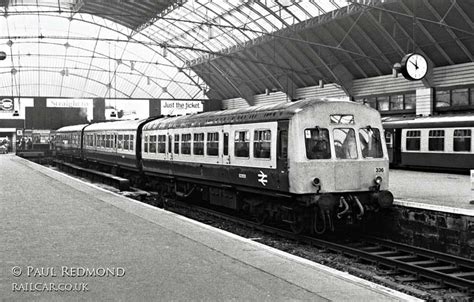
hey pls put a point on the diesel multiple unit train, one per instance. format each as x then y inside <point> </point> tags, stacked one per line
<point>311,163</point>
<point>439,142</point>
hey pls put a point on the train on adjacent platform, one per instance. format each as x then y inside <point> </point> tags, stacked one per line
<point>313,163</point>
<point>431,143</point>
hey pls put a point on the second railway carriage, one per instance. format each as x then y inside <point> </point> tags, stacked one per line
<point>441,142</point>
<point>69,141</point>
<point>297,161</point>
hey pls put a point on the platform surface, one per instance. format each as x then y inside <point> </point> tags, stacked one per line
<point>443,191</point>
<point>53,224</point>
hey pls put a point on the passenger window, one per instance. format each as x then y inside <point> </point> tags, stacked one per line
<point>317,143</point>
<point>152,144</point>
<point>186,143</point>
<point>226,143</point>
<point>283,150</point>
<point>120,142</point>
<point>345,143</point>
<point>436,140</point>
<point>161,143</point>
<point>126,141</point>
<point>262,140</point>
<point>131,143</point>
<point>413,140</point>
<point>107,141</point>
<point>176,144</point>
<point>371,143</point>
<point>198,144</point>
<point>170,141</point>
<point>212,145</point>
<point>388,139</point>
<point>147,139</point>
<point>241,145</point>
<point>462,140</point>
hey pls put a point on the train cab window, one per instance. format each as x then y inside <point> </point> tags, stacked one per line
<point>413,140</point>
<point>212,145</point>
<point>317,143</point>
<point>371,143</point>
<point>120,142</point>
<point>198,144</point>
<point>462,140</point>
<point>126,139</point>
<point>241,146</point>
<point>262,141</point>
<point>226,143</point>
<point>345,143</point>
<point>436,140</point>
<point>283,147</point>
<point>161,143</point>
<point>176,144</point>
<point>186,143</point>
<point>152,144</point>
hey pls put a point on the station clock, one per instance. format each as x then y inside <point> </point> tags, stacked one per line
<point>414,66</point>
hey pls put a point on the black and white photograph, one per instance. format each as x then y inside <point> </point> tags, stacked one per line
<point>237,150</point>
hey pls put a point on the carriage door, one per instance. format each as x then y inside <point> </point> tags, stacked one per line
<point>225,145</point>
<point>169,151</point>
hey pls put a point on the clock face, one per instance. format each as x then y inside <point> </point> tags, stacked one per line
<point>414,66</point>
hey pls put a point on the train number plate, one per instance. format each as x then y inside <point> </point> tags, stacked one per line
<point>379,170</point>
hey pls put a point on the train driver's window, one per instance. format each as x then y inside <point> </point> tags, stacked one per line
<point>176,144</point>
<point>152,143</point>
<point>198,144</point>
<point>345,143</point>
<point>262,141</point>
<point>317,143</point>
<point>436,140</point>
<point>462,140</point>
<point>413,140</point>
<point>371,143</point>
<point>241,146</point>
<point>212,145</point>
<point>186,143</point>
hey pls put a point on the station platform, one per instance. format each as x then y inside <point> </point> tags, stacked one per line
<point>443,192</point>
<point>65,239</point>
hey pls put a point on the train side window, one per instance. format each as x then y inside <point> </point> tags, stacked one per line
<point>262,141</point>
<point>462,140</point>
<point>226,143</point>
<point>345,143</point>
<point>126,142</point>
<point>186,143</point>
<point>146,144</point>
<point>161,143</point>
<point>436,140</point>
<point>198,144</point>
<point>371,143</point>
<point>176,144</point>
<point>317,143</point>
<point>388,139</point>
<point>152,144</point>
<point>212,145</point>
<point>283,147</point>
<point>120,141</point>
<point>241,146</point>
<point>413,140</point>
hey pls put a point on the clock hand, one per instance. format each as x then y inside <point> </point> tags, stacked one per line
<point>414,64</point>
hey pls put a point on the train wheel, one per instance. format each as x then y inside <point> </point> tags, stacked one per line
<point>299,223</point>
<point>261,215</point>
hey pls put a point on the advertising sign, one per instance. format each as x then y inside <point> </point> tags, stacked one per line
<point>180,107</point>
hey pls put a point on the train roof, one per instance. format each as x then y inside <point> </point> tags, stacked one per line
<point>115,125</point>
<point>429,122</point>
<point>73,128</point>
<point>262,113</point>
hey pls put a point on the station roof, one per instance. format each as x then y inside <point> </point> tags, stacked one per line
<point>182,49</point>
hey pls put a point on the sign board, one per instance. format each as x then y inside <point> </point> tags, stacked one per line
<point>68,103</point>
<point>19,132</point>
<point>6,104</point>
<point>181,107</point>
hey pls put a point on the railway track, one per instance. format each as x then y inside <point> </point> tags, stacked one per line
<point>443,269</point>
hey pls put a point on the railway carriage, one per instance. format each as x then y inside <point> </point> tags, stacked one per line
<point>304,162</point>
<point>68,141</point>
<point>431,142</point>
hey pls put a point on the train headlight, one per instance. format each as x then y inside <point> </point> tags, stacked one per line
<point>378,180</point>
<point>316,182</point>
